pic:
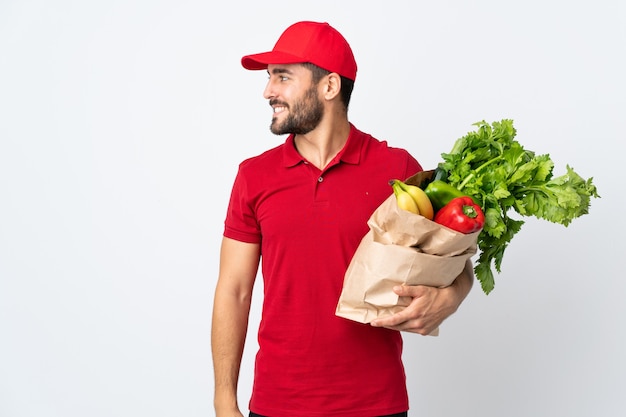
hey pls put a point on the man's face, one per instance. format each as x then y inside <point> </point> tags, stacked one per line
<point>294,98</point>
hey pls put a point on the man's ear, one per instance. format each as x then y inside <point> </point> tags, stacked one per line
<point>332,86</point>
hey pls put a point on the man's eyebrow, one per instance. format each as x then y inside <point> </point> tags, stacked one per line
<point>279,70</point>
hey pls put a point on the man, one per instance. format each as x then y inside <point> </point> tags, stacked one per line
<point>304,207</point>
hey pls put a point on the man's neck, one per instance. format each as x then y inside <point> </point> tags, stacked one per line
<point>321,145</point>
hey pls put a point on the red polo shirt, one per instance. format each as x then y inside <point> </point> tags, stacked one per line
<point>309,223</point>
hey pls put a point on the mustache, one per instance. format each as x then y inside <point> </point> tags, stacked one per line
<point>275,102</point>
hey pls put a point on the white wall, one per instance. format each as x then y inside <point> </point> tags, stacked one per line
<point>121,125</point>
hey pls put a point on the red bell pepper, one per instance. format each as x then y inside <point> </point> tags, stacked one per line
<point>461,214</point>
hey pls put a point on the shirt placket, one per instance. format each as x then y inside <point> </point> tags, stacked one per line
<point>321,189</point>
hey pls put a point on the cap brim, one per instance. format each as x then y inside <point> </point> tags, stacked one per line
<point>262,60</point>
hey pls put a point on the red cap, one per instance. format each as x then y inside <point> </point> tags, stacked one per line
<point>317,43</point>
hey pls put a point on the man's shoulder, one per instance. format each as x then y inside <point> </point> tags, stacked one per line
<point>376,151</point>
<point>380,145</point>
<point>268,157</point>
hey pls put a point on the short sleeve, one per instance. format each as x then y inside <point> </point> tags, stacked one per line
<point>241,221</point>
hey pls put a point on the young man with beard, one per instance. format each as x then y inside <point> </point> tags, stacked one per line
<point>303,206</point>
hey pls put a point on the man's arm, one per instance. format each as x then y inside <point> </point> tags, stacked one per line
<point>430,305</point>
<point>239,263</point>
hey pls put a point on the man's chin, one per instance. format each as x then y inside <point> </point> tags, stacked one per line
<point>276,129</point>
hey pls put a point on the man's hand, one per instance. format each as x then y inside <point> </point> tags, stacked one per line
<point>430,305</point>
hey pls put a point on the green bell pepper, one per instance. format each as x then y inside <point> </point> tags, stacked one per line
<point>441,193</point>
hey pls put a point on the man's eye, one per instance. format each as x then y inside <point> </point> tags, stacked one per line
<point>284,78</point>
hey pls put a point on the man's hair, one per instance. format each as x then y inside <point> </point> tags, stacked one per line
<point>347,85</point>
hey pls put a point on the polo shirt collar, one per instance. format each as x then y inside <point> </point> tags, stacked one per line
<point>350,153</point>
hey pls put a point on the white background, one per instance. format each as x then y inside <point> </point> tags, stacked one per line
<point>121,126</point>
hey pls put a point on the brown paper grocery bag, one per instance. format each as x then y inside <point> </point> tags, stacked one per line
<point>400,248</point>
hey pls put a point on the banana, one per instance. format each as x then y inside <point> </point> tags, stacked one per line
<point>424,204</point>
<point>404,199</point>
<point>419,197</point>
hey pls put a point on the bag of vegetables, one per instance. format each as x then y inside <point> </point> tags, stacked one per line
<point>484,178</point>
<point>407,248</point>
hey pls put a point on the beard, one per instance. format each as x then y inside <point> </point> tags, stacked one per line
<point>304,116</point>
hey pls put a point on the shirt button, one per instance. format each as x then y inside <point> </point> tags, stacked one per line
<point>320,179</point>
